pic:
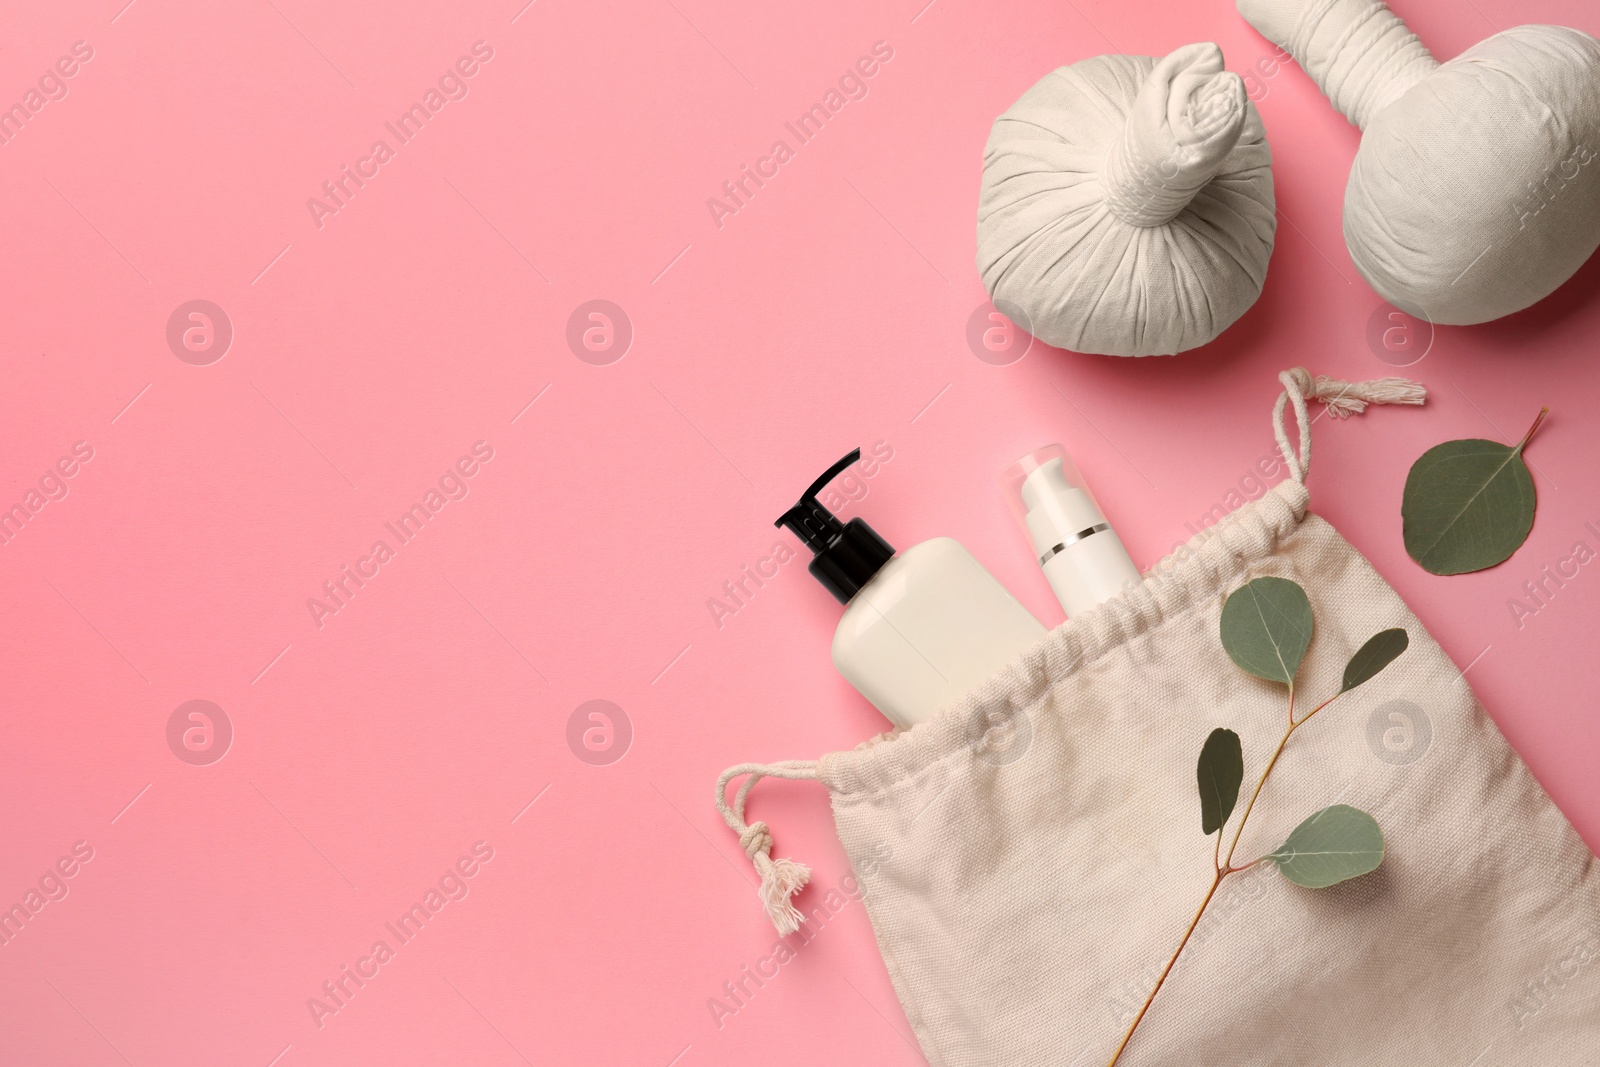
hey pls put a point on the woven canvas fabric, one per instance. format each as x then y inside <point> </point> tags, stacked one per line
<point>1026,888</point>
<point>1127,204</point>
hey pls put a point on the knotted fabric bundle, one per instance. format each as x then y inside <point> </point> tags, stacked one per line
<point>1476,190</point>
<point>1127,204</point>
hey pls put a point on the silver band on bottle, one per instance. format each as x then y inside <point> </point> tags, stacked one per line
<point>1099,527</point>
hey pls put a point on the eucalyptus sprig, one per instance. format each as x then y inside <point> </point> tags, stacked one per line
<point>1266,629</point>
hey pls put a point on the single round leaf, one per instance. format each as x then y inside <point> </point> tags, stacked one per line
<point>1266,628</point>
<point>1468,505</point>
<point>1334,845</point>
<point>1380,650</point>
<point>1220,772</point>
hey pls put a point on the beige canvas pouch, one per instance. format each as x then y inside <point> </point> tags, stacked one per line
<point>1031,857</point>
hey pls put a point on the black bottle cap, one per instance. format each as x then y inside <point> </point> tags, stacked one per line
<point>848,554</point>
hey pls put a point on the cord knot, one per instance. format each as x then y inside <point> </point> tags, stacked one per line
<point>1341,398</point>
<point>756,840</point>
<point>781,879</point>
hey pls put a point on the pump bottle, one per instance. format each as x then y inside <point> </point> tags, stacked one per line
<point>1081,554</point>
<point>920,628</point>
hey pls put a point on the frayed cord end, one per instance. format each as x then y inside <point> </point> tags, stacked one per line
<point>781,879</point>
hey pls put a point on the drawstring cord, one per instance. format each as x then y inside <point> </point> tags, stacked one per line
<point>781,879</point>
<point>1341,399</point>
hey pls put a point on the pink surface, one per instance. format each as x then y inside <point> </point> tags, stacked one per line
<point>374,347</point>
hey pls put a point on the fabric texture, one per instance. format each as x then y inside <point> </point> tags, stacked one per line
<point>1476,190</point>
<point>1031,857</point>
<point>1127,204</point>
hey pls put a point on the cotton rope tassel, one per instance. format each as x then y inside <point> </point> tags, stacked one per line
<point>1341,399</point>
<point>781,879</point>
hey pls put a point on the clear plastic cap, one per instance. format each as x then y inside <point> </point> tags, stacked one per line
<point>1048,496</point>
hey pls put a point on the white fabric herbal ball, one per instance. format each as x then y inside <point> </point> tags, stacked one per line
<point>1127,204</point>
<point>1476,190</point>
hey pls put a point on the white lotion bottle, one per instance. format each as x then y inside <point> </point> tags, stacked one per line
<point>922,627</point>
<point>1082,556</point>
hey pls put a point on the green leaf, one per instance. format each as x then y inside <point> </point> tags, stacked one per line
<point>1220,772</point>
<point>1334,845</point>
<point>1468,505</point>
<point>1266,628</point>
<point>1380,650</point>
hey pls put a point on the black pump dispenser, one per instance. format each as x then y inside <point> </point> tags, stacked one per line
<point>848,554</point>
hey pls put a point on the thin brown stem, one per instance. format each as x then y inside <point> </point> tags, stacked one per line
<point>1238,831</point>
<point>1204,904</point>
<point>1316,709</point>
<point>1538,422</point>
<point>1224,868</point>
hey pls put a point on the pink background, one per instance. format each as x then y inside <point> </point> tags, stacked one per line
<point>371,752</point>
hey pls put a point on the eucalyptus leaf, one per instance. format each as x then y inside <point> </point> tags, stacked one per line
<point>1220,771</point>
<point>1468,505</point>
<point>1266,628</point>
<point>1334,845</point>
<point>1381,649</point>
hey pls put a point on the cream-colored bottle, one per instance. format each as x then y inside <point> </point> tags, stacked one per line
<point>921,628</point>
<point>1081,554</point>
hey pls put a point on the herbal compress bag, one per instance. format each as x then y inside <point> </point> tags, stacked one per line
<point>1127,205</point>
<point>1475,192</point>
<point>1031,856</point>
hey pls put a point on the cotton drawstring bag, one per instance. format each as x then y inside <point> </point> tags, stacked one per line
<point>1030,857</point>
